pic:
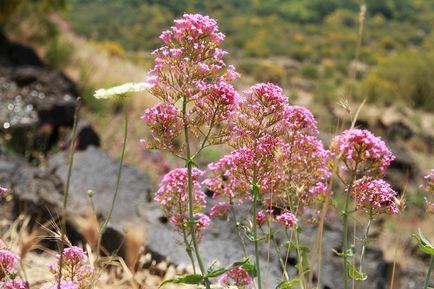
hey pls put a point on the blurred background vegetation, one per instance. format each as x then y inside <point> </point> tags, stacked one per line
<point>308,47</point>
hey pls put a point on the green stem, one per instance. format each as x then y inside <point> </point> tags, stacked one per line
<point>279,255</point>
<point>300,259</point>
<point>190,195</point>
<point>255,191</point>
<point>365,240</point>
<point>118,182</point>
<point>345,215</point>
<point>189,250</point>
<point>234,217</point>
<point>428,274</point>
<point>66,189</point>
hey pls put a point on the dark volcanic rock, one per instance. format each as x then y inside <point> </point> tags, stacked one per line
<point>35,101</point>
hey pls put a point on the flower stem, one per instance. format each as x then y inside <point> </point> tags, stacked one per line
<point>255,191</point>
<point>234,217</point>
<point>118,181</point>
<point>190,195</point>
<point>428,274</point>
<point>345,215</point>
<point>66,190</point>
<point>300,259</point>
<point>365,240</point>
<point>279,255</point>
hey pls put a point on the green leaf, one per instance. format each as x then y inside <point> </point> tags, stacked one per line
<point>290,246</point>
<point>424,244</point>
<point>354,273</point>
<point>249,234</point>
<point>288,284</point>
<point>348,253</point>
<point>251,268</point>
<point>215,273</point>
<point>188,279</point>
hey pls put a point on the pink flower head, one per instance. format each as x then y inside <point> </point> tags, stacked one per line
<point>181,223</point>
<point>238,277</point>
<point>288,219</point>
<point>165,123</point>
<point>190,69</point>
<point>429,182</point>
<point>172,194</point>
<point>429,187</point>
<point>65,285</point>
<point>260,218</point>
<point>374,194</point>
<point>229,176</point>
<point>195,27</point>
<point>8,261</point>
<point>306,163</point>
<point>360,147</point>
<point>3,192</point>
<point>220,210</point>
<point>262,111</point>
<point>75,267</point>
<point>299,120</point>
<point>16,284</point>
<point>203,222</point>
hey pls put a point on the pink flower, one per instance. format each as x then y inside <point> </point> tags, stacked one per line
<point>165,123</point>
<point>261,112</point>
<point>374,194</point>
<point>75,267</point>
<point>8,261</point>
<point>220,210</point>
<point>190,69</point>
<point>172,194</point>
<point>65,285</point>
<point>204,221</point>
<point>429,182</point>
<point>288,219</point>
<point>362,148</point>
<point>181,223</point>
<point>306,162</point>
<point>260,218</point>
<point>299,120</point>
<point>238,277</point>
<point>429,187</point>
<point>3,192</point>
<point>15,284</point>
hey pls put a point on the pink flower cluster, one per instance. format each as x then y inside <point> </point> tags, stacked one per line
<point>287,219</point>
<point>374,196</point>
<point>220,210</point>
<point>429,187</point>
<point>238,277</point>
<point>8,261</point>
<point>165,122</point>
<point>189,69</point>
<point>172,195</point>
<point>261,114</point>
<point>65,285</point>
<point>261,218</point>
<point>3,192</point>
<point>276,147</point>
<point>16,284</point>
<point>360,147</point>
<point>75,268</point>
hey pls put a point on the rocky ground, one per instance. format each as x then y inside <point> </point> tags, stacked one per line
<point>36,113</point>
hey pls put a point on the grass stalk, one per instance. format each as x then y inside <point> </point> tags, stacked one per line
<point>66,189</point>
<point>118,182</point>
